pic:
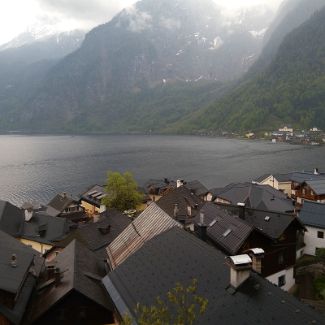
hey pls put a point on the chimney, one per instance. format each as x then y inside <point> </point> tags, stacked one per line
<point>316,171</point>
<point>175,210</point>
<point>241,210</point>
<point>179,183</point>
<point>28,214</point>
<point>13,260</point>
<point>240,269</point>
<point>201,227</point>
<point>256,254</point>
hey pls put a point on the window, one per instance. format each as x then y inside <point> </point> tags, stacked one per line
<point>281,281</point>
<point>320,234</point>
<point>281,259</point>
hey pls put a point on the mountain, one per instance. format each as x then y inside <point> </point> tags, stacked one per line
<point>123,67</point>
<point>291,14</point>
<point>290,90</point>
<point>26,60</point>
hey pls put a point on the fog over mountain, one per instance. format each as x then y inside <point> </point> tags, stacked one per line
<point>145,70</point>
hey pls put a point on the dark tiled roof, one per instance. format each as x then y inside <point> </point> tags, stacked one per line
<point>59,203</point>
<point>150,223</point>
<point>19,280</point>
<point>11,218</point>
<point>257,196</point>
<point>313,214</point>
<point>224,228</point>
<point>183,197</point>
<point>272,224</point>
<point>97,236</point>
<point>45,229</point>
<point>80,269</point>
<point>197,187</point>
<point>318,186</point>
<point>176,256</point>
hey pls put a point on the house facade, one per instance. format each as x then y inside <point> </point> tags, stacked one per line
<point>312,215</point>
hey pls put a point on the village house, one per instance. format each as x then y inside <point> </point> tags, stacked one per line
<point>301,190</point>
<point>91,200</point>
<point>156,188</point>
<point>181,204</point>
<point>254,196</point>
<point>96,236</point>
<point>19,269</point>
<point>65,206</point>
<point>312,215</point>
<point>238,229</point>
<point>281,182</point>
<point>69,290</point>
<point>235,292</point>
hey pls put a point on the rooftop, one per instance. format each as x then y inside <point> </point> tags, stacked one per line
<point>81,272</point>
<point>313,214</point>
<point>11,218</point>
<point>150,223</point>
<point>176,256</point>
<point>256,196</point>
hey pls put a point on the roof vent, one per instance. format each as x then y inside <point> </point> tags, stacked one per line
<point>227,232</point>
<point>213,223</point>
<point>13,260</point>
<point>256,254</point>
<point>267,218</point>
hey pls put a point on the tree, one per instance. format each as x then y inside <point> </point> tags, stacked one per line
<point>182,307</point>
<point>122,191</point>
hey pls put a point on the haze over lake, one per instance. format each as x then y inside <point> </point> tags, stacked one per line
<point>38,167</point>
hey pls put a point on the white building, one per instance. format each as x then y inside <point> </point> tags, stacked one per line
<point>312,215</point>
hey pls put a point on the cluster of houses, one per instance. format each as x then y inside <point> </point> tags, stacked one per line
<point>313,136</point>
<point>75,261</point>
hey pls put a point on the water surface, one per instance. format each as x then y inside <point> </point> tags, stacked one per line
<point>37,167</point>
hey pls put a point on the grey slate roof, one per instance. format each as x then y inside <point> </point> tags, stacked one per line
<point>150,223</point>
<point>183,197</point>
<point>19,280</point>
<point>272,224</point>
<point>11,218</point>
<point>301,177</point>
<point>177,256</point>
<point>197,187</point>
<point>80,269</point>
<point>97,236</point>
<point>318,186</point>
<point>45,229</point>
<point>59,203</point>
<point>257,196</point>
<point>221,221</point>
<point>313,214</point>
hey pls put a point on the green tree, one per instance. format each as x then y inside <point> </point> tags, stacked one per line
<point>122,191</point>
<point>183,306</point>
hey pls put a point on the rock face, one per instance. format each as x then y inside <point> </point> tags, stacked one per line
<point>154,43</point>
<point>290,90</point>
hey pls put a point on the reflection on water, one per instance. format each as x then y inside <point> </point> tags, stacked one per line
<point>37,167</point>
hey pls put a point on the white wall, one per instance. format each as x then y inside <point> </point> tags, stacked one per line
<point>312,241</point>
<point>290,280</point>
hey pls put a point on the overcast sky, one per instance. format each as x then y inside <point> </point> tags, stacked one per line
<point>16,16</point>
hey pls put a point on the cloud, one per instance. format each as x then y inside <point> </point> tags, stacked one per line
<point>85,11</point>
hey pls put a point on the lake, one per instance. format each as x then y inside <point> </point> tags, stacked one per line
<point>38,167</point>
